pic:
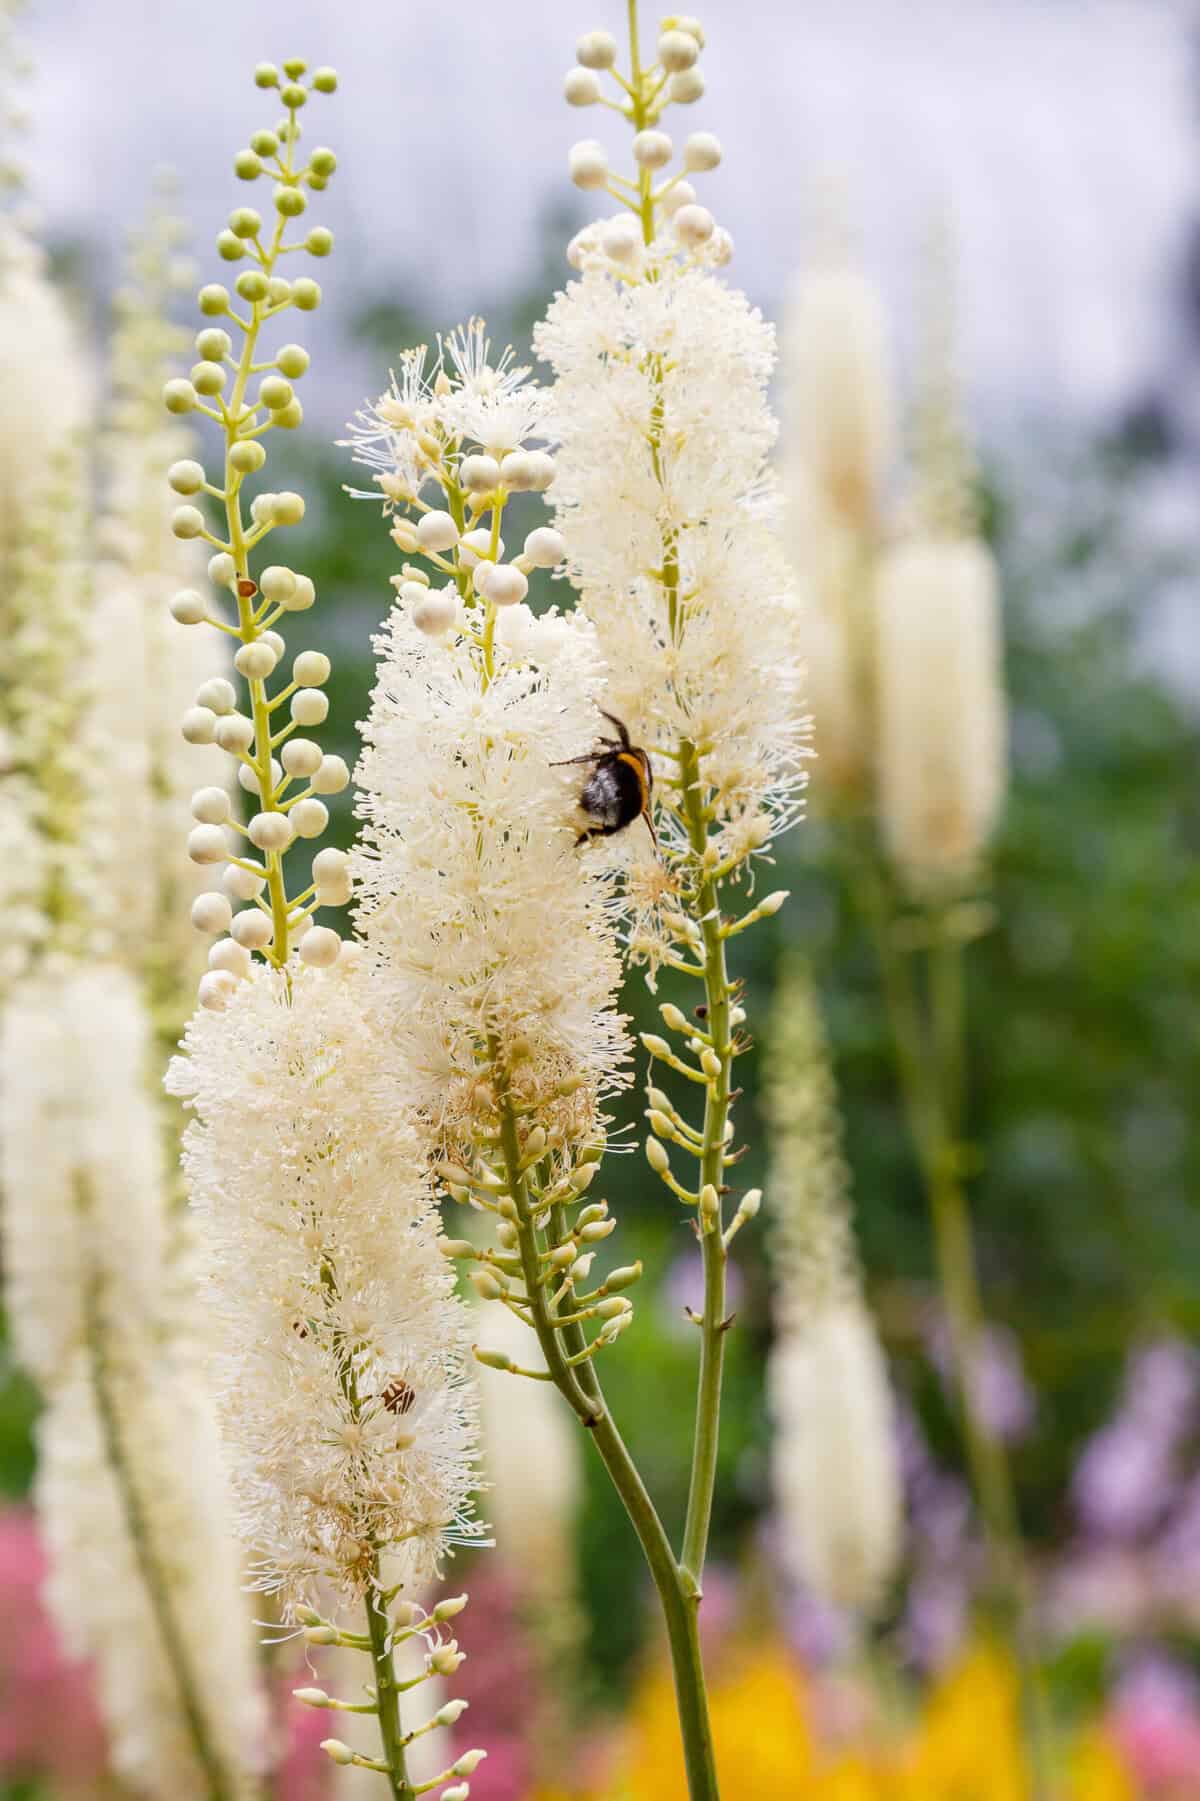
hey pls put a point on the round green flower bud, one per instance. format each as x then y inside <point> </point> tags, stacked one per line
<point>288,508</point>
<point>306,294</point>
<point>278,290</point>
<point>288,128</point>
<point>248,458</point>
<point>275,393</point>
<point>319,241</point>
<point>179,396</point>
<point>265,143</point>
<point>187,522</point>
<point>289,416</point>
<point>325,80</point>
<point>230,248</point>
<point>293,94</point>
<point>213,344</point>
<point>208,378</point>
<point>318,183</point>
<point>186,477</point>
<point>244,222</point>
<point>292,361</point>
<point>294,67</point>
<point>213,299</point>
<point>246,165</point>
<point>252,285</point>
<point>266,76</point>
<point>290,202</point>
<point>322,161</point>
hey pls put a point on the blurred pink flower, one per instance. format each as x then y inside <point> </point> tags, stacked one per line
<point>49,1724</point>
<point>1156,1720</point>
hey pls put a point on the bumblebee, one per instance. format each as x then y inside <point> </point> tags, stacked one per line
<point>619,785</point>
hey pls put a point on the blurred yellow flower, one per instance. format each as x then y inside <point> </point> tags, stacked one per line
<point>965,1743</point>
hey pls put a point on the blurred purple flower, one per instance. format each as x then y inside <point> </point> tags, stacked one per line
<point>683,1288</point>
<point>1097,1588</point>
<point>1126,1481</point>
<point>1003,1398</point>
<point>945,1558</point>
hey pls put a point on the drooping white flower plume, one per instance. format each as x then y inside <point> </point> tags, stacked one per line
<point>942,714</point>
<point>130,1488</point>
<point>834,1463</point>
<point>338,1354</point>
<point>837,449</point>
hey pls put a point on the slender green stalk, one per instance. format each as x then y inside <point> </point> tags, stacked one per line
<point>387,1693</point>
<point>930,1060</point>
<point>154,1581</point>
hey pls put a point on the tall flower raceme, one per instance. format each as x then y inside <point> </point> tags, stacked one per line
<point>145,666</point>
<point>916,785</point>
<point>490,938</point>
<point>837,453</point>
<point>340,1361</point>
<point>836,1467</point>
<point>248,390</point>
<point>125,1471</point>
<point>46,773</point>
<point>129,1484</point>
<point>668,510</point>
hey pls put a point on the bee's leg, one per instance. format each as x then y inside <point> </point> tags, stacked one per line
<point>598,831</point>
<point>649,818</point>
<point>567,762</point>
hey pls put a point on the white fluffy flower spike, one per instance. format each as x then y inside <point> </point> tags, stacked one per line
<point>835,1463</point>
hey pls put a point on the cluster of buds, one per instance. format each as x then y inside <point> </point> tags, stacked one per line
<point>403,1622</point>
<point>286,774</point>
<point>463,431</point>
<point>707,1064</point>
<point>547,1231</point>
<point>655,197</point>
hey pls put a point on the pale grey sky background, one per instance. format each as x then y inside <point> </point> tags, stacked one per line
<point>1060,133</point>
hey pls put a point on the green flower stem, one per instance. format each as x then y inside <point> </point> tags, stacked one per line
<point>220,1783</point>
<point>579,1383</point>
<point>930,1060</point>
<point>387,1691</point>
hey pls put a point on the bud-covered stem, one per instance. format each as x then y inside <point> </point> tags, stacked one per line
<point>391,1733</point>
<point>714,1324</point>
<point>259,708</point>
<point>154,1579</point>
<point>573,1372</point>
